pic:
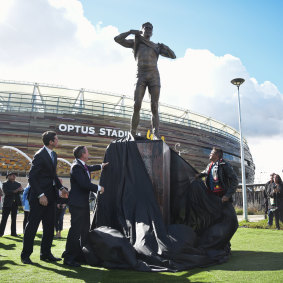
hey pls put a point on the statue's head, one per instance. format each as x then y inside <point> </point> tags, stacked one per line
<point>147,29</point>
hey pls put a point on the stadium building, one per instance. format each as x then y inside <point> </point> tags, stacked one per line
<point>94,119</point>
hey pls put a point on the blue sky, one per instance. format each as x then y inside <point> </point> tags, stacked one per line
<point>248,29</point>
<point>63,42</point>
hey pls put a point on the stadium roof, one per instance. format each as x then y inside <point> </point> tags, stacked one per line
<point>35,97</point>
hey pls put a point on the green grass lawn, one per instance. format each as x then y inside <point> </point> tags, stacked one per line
<point>257,256</point>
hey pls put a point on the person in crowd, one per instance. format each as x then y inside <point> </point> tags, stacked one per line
<point>79,204</point>
<point>267,188</point>
<point>222,181</point>
<point>44,186</point>
<point>26,206</point>
<point>59,217</point>
<point>12,201</point>
<point>276,201</point>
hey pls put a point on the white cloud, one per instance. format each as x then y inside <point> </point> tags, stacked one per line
<point>6,9</point>
<point>201,81</point>
<point>267,152</point>
<point>52,41</point>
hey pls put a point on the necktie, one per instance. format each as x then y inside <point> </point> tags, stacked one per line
<point>87,171</point>
<point>53,156</point>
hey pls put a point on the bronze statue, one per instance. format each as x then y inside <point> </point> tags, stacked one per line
<point>146,54</point>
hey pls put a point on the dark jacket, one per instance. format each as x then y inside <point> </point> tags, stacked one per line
<point>42,174</point>
<point>227,177</point>
<point>8,189</point>
<point>81,184</point>
<point>266,193</point>
<point>278,197</point>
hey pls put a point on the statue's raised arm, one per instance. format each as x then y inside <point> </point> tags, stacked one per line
<point>128,43</point>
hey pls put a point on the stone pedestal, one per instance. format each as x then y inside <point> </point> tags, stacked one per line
<point>156,157</point>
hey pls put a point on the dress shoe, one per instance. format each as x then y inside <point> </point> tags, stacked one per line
<point>15,235</point>
<point>50,258</point>
<point>26,260</point>
<point>71,263</point>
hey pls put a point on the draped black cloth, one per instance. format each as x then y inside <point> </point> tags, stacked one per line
<point>128,230</point>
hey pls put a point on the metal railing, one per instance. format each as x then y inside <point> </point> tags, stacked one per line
<point>255,196</point>
<point>27,102</point>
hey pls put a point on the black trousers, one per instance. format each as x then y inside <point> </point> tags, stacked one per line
<point>77,236</point>
<point>59,218</point>
<point>5,214</point>
<point>38,213</point>
<point>276,215</point>
<point>25,220</point>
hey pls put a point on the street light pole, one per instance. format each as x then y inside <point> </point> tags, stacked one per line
<point>237,82</point>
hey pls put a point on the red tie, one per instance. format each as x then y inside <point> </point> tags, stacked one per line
<point>87,170</point>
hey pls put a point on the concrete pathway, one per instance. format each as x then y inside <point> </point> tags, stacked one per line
<point>67,219</point>
<point>20,220</point>
<point>251,218</point>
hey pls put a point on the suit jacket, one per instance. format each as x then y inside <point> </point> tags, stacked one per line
<point>278,197</point>
<point>10,197</point>
<point>81,184</point>
<point>42,174</point>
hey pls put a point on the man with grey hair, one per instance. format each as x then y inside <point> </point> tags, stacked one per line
<point>78,203</point>
<point>146,54</point>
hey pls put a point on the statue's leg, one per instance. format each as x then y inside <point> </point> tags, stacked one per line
<point>154,92</point>
<point>139,94</point>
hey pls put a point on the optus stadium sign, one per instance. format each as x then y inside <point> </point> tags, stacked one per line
<point>92,130</point>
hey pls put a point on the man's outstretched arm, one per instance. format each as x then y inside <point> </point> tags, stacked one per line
<point>128,43</point>
<point>166,51</point>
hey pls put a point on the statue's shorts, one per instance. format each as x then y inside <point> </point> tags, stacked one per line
<point>148,77</point>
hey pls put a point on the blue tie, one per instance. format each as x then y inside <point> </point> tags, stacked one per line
<point>53,156</point>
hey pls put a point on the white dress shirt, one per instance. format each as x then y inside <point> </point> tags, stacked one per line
<point>49,151</point>
<point>50,154</point>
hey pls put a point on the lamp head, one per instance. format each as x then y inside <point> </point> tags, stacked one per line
<point>237,82</point>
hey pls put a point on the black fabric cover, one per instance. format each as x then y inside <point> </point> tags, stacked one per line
<point>128,230</point>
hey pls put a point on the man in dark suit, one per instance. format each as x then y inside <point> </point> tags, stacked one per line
<point>81,186</point>
<point>12,201</point>
<point>44,189</point>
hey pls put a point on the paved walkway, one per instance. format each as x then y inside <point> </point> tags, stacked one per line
<point>20,220</point>
<point>67,218</point>
<point>251,218</point>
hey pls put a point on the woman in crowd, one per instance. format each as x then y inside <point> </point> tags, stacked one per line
<point>276,196</point>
